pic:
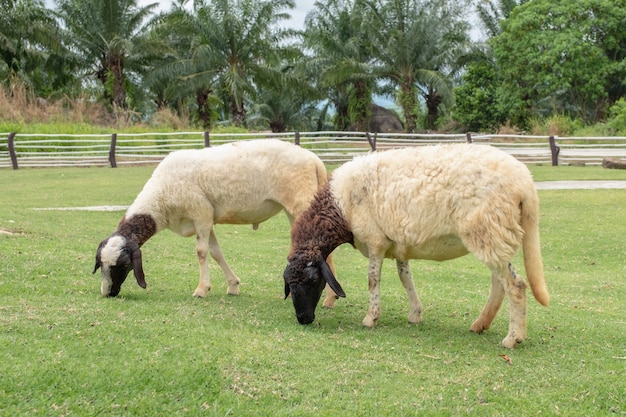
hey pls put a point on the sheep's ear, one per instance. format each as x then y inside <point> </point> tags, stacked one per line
<point>95,268</point>
<point>98,263</point>
<point>287,290</point>
<point>331,280</point>
<point>137,264</point>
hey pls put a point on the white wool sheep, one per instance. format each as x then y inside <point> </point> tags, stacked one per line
<point>436,202</point>
<point>244,182</point>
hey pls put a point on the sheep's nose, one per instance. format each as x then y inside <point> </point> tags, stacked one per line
<point>305,318</point>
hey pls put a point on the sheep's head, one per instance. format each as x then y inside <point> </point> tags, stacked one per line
<point>116,256</point>
<point>305,281</point>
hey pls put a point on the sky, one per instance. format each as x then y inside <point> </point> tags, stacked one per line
<point>298,13</point>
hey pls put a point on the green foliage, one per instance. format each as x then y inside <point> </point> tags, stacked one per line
<point>418,46</point>
<point>616,122</point>
<point>67,351</point>
<point>337,36</point>
<point>563,57</point>
<point>31,49</point>
<point>108,37</point>
<point>477,106</point>
<point>555,125</point>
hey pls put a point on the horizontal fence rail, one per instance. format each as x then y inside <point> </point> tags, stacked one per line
<point>33,150</point>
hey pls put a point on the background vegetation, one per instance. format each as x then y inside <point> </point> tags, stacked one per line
<point>67,351</point>
<point>477,65</point>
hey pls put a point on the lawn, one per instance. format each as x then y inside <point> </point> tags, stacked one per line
<point>65,350</point>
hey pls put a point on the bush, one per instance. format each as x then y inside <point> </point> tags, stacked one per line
<point>616,122</point>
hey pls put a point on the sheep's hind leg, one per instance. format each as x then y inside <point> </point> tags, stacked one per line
<point>216,252</point>
<point>202,250</point>
<point>504,280</point>
<point>515,289</point>
<point>373,275</point>
<point>415,305</point>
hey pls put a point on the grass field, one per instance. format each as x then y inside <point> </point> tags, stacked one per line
<point>66,351</point>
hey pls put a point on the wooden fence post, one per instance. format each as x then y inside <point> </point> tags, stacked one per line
<point>207,139</point>
<point>468,137</point>
<point>112,150</point>
<point>12,153</point>
<point>297,139</point>
<point>372,141</point>
<point>554,150</point>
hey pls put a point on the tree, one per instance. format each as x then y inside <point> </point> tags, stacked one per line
<point>30,46</point>
<point>417,45</point>
<point>341,62</point>
<point>492,12</point>
<point>235,46</point>
<point>107,37</point>
<point>563,57</point>
<point>478,105</point>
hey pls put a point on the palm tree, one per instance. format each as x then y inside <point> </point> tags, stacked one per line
<point>235,46</point>
<point>107,37</point>
<point>341,60</point>
<point>416,44</point>
<point>30,46</point>
<point>492,12</point>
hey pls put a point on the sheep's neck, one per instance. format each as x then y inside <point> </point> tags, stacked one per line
<point>322,227</point>
<point>138,228</point>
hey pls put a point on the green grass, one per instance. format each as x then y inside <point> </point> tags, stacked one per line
<point>65,350</point>
<point>560,173</point>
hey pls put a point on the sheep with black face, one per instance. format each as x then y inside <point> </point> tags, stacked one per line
<point>436,203</point>
<point>190,191</point>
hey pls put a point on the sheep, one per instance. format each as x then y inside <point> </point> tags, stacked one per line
<point>190,191</point>
<point>435,202</point>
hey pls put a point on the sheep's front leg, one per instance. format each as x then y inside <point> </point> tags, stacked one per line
<point>496,295</point>
<point>216,252</point>
<point>202,249</point>
<point>373,276</point>
<point>415,305</point>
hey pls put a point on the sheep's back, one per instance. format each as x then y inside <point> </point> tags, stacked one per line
<point>239,177</point>
<point>415,195</point>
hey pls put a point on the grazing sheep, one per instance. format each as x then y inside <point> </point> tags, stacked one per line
<point>435,202</point>
<point>191,190</point>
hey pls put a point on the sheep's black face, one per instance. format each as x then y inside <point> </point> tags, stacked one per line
<point>305,280</point>
<point>117,257</point>
<point>305,283</point>
<point>117,274</point>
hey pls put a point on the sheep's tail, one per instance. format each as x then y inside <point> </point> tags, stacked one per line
<point>532,249</point>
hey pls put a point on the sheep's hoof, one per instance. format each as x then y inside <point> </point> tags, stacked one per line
<point>233,290</point>
<point>201,292</point>
<point>514,338</point>
<point>329,302</point>
<point>415,318</point>
<point>368,321</point>
<point>478,327</point>
<point>511,341</point>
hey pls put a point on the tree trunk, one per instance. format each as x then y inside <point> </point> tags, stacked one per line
<point>111,75</point>
<point>237,113</point>
<point>360,106</point>
<point>408,102</point>
<point>613,163</point>
<point>277,125</point>
<point>342,119</point>
<point>204,111</point>
<point>433,100</point>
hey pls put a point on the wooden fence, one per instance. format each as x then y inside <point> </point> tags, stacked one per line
<point>117,149</point>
